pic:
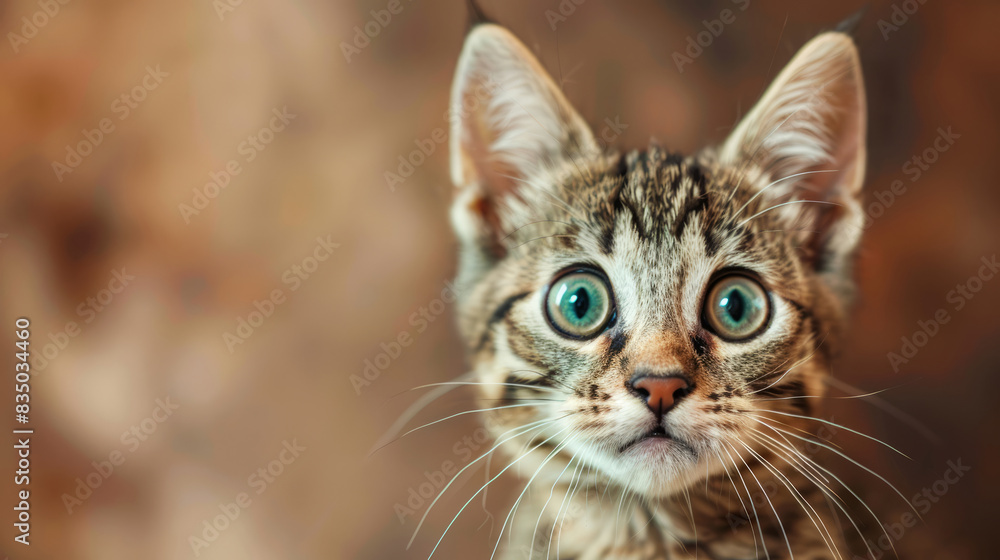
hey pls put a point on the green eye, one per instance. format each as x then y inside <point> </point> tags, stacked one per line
<point>579,304</point>
<point>737,307</point>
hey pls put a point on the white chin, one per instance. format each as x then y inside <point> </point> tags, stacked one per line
<point>656,467</point>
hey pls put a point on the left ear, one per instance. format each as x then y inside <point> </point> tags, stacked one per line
<point>808,133</point>
<point>509,123</point>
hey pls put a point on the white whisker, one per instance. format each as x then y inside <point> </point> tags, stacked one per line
<point>753,507</point>
<point>828,493</point>
<point>446,529</point>
<point>810,511</point>
<point>756,552</point>
<point>766,497</point>
<point>525,429</point>
<point>839,426</point>
<point>513,508</point>
<point>786,204</point>
<point>772,183</point>
<point>841,482</point>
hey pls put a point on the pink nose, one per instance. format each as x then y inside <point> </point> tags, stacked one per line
<point>660,393</point>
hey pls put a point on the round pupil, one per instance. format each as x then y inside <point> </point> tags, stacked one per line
<point>734,305</point>
<point>580,302</point>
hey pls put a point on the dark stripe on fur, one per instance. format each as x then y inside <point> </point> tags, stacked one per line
<point>697,175</point>
<point>691,207</point>
<point>498,315</point>
<point>712,243</point>
<point>618,342</point>
<point>608,231</point>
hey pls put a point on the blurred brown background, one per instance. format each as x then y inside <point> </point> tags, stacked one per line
<point>201,81</point>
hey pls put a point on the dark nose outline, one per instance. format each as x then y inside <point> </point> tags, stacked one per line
<point>660,393</point>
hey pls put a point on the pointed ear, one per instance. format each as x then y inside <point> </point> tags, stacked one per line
<point>509,122</point>
<point>808,133</point>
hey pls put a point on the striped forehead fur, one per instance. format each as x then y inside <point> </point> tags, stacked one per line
<point>776,205</point>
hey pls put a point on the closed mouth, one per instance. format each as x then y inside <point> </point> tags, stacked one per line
<point>656,433</point>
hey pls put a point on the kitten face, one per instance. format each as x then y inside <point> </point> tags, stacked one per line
<point>642,312</point>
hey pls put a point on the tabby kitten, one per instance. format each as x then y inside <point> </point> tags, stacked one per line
<point>653,328</point>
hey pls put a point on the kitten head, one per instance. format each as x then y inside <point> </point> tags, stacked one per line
<point>648,313</point>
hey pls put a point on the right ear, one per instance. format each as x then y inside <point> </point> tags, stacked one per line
<point>509,122</point>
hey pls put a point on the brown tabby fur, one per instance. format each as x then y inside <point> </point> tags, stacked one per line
<point>734,482</point>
